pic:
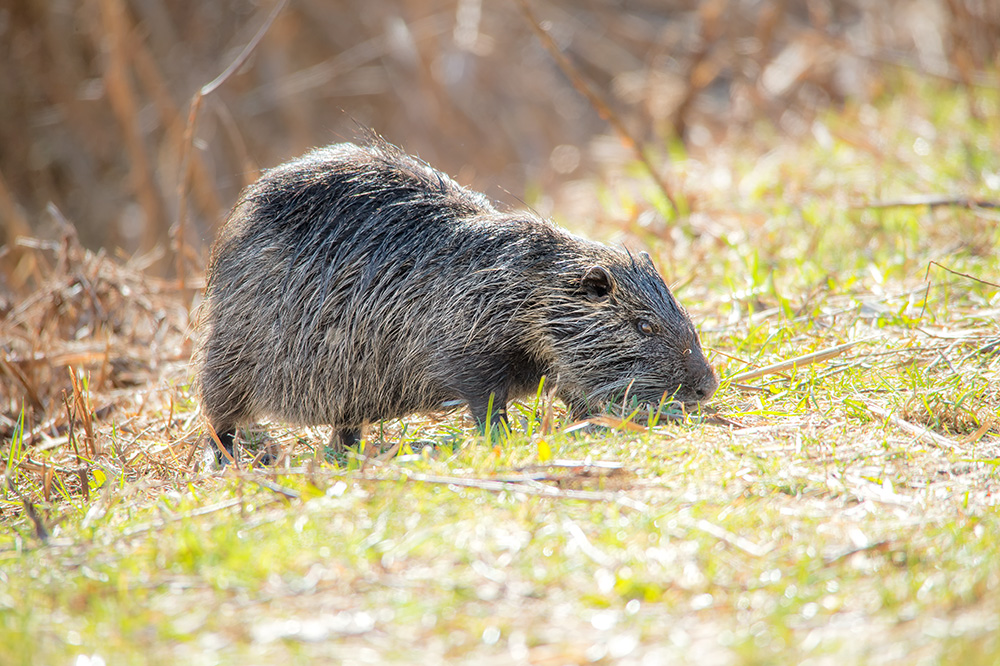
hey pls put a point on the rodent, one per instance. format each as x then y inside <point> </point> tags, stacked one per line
<point>357,284</point>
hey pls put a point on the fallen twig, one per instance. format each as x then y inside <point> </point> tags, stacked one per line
<point>931,201</point>
<point>274,487</point>
<point>509,486</point>
<point>743,544</point>
<point>797,362</point>
<point>879,546</point>
<point>920,432</point>
<point>587,548</point>
<point>157,524</point>
<point>980,431</point>
<point>614,423</point>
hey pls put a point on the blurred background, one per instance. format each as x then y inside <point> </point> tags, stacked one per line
<point>95,94</point>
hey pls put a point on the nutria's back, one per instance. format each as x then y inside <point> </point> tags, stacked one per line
<point>357,284</point>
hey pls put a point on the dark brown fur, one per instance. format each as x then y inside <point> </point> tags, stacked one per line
<point>356,284</point>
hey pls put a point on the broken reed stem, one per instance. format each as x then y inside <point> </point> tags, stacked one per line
<point>615,423</point>
<point>177,231</point>
<point>82,404</point>
<point>70,434</point>
<point>931,201</point>
<point>603,109</point>
<point>149,75</point>
<point>920,432</point>
<point>126,110</point>
<point>218,443</point>
<point>797,362</point>
<point>12,221</point>
<point>927,275</point>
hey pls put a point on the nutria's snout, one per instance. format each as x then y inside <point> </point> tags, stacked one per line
<point>698,381</point>
<point>699,390</point>
<point>705,387</point>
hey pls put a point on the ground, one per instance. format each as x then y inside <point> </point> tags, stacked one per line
<point>840,508</point>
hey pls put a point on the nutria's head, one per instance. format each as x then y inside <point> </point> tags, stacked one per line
<point>617,333</point>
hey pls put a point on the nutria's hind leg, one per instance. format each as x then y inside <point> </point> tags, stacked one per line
<point>227,437</point>
<point>344,438</point>
<point>578,410</point>
<point>490,412</point>
<point>225,407</point>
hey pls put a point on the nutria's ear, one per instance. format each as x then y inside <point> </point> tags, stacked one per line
<point>596,284</point>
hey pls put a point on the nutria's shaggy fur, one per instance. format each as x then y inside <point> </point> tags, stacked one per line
<point>356,284</point>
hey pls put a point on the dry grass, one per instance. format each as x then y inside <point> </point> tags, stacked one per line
<point>93,366</point>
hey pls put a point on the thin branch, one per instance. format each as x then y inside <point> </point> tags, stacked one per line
<point>594,97</point>
<point>954,272</point>
<point>148,73</point>
<point>177,230</point>
<point>211,87</point>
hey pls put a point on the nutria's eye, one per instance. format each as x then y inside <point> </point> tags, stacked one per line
<point>645,327</point>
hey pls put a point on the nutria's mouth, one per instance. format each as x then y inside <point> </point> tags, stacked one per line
<point>647,413</point>
<point>645,409</point>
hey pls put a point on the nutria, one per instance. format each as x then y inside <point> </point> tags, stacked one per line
<point>357,284</point>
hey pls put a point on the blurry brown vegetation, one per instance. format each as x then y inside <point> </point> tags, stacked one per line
<point>96,93</point>
<point>96,334</point>
<point>96,97</point>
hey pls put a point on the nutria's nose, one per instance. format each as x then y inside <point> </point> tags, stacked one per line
<point>706,388</point>
<point>701,394</point>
